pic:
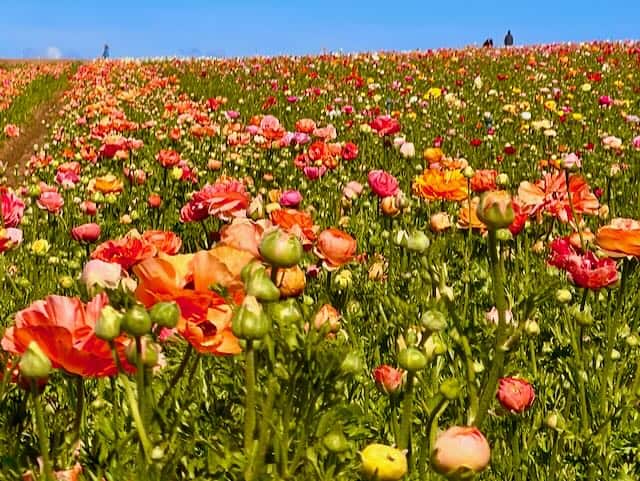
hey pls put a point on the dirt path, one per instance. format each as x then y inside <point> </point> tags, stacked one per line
<point>16,152</point>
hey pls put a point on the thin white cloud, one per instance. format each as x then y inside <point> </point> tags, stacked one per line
<point>54,53</point>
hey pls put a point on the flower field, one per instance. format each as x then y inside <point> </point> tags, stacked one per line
<point>375,266</point>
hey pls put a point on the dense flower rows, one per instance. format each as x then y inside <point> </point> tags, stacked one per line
<point>426,258</point>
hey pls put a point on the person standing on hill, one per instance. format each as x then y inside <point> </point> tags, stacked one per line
<point>508,39</point>
<point>105,52</point>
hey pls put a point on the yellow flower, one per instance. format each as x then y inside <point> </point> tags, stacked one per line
<point>585,87</point>
<point>550,105</point>
<point>577,116</point>
<point>40,247</point>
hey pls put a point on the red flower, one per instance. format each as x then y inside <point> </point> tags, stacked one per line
<point>126,252</point>
<point>63,327</point>
<point>168,158</point>
<point>583,269</point>
<point>515,395</point>
<point>476,142</point>
<point>349,151</point>
<point>385,125</point>
<point>86,232</point>
<point>484,180</point>
<point>388,379</point>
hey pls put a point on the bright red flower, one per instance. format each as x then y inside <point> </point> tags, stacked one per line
<point>385,125</point>
<point>515,395</point>
<point>126,252</point>
<point>583,269</point>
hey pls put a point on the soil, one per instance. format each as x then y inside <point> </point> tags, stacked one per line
<point>17,151</point>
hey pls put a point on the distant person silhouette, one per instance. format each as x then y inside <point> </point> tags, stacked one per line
<point>105,52</point>
<point>508,39</point>
<point>488,43</point>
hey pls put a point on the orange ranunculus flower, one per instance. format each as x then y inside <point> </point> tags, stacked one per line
<point>126,252</point>
<point>164,241</point>
<point>295,222</point>
<point>484,180</point>
<point>244,234</point>
<point>186,279</point>
<point>306,126</point>
<point>433,155</point>
<point>291,281</point>
<point>620,238</point>
<point>549,194</point>
<point>64,328</point>
<point>318,151</point>
<point>335,248</point>
<point>464,221</point>
<point>108,184</point>
<point>436,184</point>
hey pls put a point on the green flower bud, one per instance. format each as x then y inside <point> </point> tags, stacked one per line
<point>261,287</point>
<point>136,321</point>
<point>335,442</point>
<point>34,363</point>
<point>281,249</point>
<point>108,324</point>
<point>468,172</point>
<point>563,296</point>
<point>504,235</point>
<point>495,209</point>
<point>584,318</point>
<point>502,180</point>
<point>352,364</point>
<point>433,321</point>
<point>66,282</point>
<point>249,321</point>
<point>632,340</point>
<point>532,328</point>
<point>285,312</point>
<point>165,314</point>
<point>417,241</point>
<point>412,359</point>
<point>450,389</point>
<point>249,270</point>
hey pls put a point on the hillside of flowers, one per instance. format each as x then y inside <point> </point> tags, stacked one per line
<point>375,266</point>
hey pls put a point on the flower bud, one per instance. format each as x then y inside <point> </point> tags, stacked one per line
<point>412,359</point>
<point>249,321</point>
<point>532,328</point>
<point>108,324</point>
<point>388,379</point>
<point>328,315</point>
<point>468,172</point>
<point>281,249</point>
<point>563,296</point>
<point>34,363</point>
<point>584,317</point>
<point>261,287</point>
<point>383,463</point>
<point>417,241</point>
<point>504,235</point>
<point>150,352</point>
<point>460,452</point>
<point>515,395</point>
<point>554,420</point>
<point>433,321</point>
<point>285,312</point>
<point>136,321</point>
<point>495,209</point>
<point>335,442</point>
<point>502,180</point>
<point>165,314</point>
<point>450,389</point>
<point>352,364</point>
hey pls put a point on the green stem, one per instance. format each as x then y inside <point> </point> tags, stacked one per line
<point>497,364</point>
<point>573,212</point>
<point>140,376</point>
<point>430,442</point>
<point>578,374</point>
<point>471,379</point>
<point>43,435</point>
<point>250,402</point>
<point>274,275</point>
<point>77,425</point>
<point>407,414</point>
<point>255,468</point>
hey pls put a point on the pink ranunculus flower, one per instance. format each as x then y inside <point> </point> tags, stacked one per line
<point>269,122</point>
<point>352,190</point>
<point>382,183</point>
<point>11,130</point>
<point>88,207</point>
<point>290,198</point>
<point>314,173</point>
<point>571,161</point>
<point>12,209</point>
<point>50,201</point>
<point>86,232</point>
<point>10,238</point>
<point>100,273</point>
<point>636,142</point>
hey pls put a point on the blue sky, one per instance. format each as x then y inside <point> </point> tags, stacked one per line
<point>40,28</point>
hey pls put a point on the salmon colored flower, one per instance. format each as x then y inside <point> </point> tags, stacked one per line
<point>225,199</point>
<point>436,184</point>
<point>107,184</point>
<point>388,378</point>
<point>64,328</point>
<point>620,238</point>
<point>244,234</point>
<point>126,252</point>
<point>187,279</point>
<point>86,233</point>
<point>515,395</point>
<point>11,130</point>
<point>461,449</point>
<point>50,201</point>
<point>335,247</point>
<point>296,222</point>
<point>168,158</point>
<point>439,222</point>
<point>306,126</point>
<point>164,241</point>
<point>484,180</point>
<point>550,195</point>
